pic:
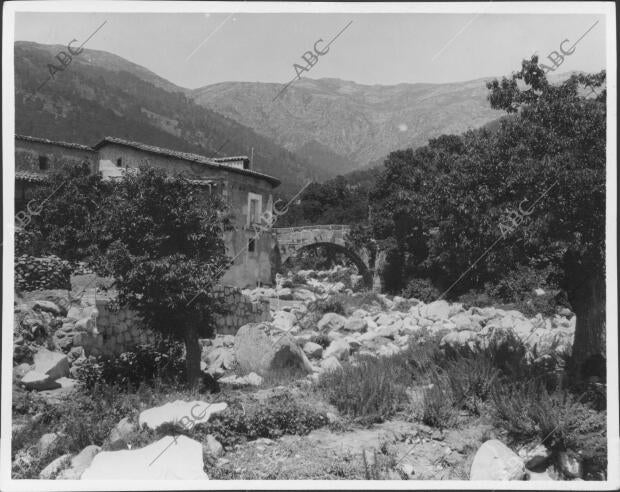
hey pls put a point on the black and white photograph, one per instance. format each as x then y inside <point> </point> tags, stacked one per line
<point>309,245</point>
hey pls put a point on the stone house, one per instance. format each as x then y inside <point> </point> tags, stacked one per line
<point>247,192</point>
<point>35,157</point>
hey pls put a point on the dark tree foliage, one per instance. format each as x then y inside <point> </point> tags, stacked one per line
<point>437,210</point>
<point>163,242</point>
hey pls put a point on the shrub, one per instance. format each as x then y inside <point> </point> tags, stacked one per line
<point>322,339</point>
<point>278,416</point>
<point>422,289</point>
<point>471,381</point>
<point>329,305</point>
<point>131,368</point>
<point>370,389</point>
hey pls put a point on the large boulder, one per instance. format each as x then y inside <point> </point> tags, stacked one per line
<point>170,458</point>
<point>496,461</point>
<point>260,348</point>
<point>457,340</point>
<point>52,469</point>
<point>184,413</point>
<point>35,380</point>
<point>49,307</point>
<point>54,364</point>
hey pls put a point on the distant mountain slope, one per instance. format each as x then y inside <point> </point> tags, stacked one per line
<point>101,94</point>
<point>360,123</point>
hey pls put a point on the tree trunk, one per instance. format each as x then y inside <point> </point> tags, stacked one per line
<point>589,349</point>
<point>192,354</point>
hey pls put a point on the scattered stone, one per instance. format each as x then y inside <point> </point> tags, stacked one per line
<point>214,446</point>
<point>436,310</point>
<point>356,324</point>
<point>495,461</point>
<point>46,442</point>
<point>313,350</point>
<point>331,322</point>
<point>80,463</point>
<point>52,469</point>
<point>339,349</point>
<point>569,465</point>
<point>170,458</point>
<point>121,431</point>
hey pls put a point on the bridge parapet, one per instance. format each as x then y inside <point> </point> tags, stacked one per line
<point>297,237</point>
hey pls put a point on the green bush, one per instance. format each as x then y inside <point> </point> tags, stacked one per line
<point>370,389</point>
<point>471,381</point>
<point>422,289</point>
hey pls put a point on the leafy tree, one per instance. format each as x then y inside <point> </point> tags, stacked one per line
<point>163,242</point>
<point>569,127</point>
<point>67,215</point>
<point>437,209</point>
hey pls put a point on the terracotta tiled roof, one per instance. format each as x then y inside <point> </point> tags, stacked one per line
<point>186,156</point>
<point>68,145</point>
<point>30,177</point>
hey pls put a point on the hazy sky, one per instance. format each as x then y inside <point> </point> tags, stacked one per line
<point>193,50</point>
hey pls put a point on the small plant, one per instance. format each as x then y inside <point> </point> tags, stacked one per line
<point>329,305</point>
<point>370,389</point>
<point>321,339</point>
<point>438,405</point>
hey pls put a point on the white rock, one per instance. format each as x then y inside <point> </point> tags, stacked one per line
<point>79,463</point>
<point>356,324</point>
<point>331,322</point>
<point>313,350</point>
<point>170,458</point>
<point>54,364</point>
<point>495,461</point>
<point>437,310</point>
<point>34,380</point>
<point>180,412</point>
<point>284,321</point>
<point>54,467</point>
<point>339,349</point>
<point>214,446</point>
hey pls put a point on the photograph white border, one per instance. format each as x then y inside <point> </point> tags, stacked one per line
<point>8,116</point>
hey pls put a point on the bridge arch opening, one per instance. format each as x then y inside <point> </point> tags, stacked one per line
<point>332,248</point>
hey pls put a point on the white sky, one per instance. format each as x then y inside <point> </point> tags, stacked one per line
<point>197,49</point>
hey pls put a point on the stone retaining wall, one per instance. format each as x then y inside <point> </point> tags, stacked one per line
<point>120,330</point>
<point>242,311</point>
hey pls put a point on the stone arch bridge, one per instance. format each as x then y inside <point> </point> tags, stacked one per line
<point>291,240</point>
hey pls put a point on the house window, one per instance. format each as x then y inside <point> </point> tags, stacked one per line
<point>119,162</point>
<point>251,245</point>
<point>43,162</point>
<point>254,208</point>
